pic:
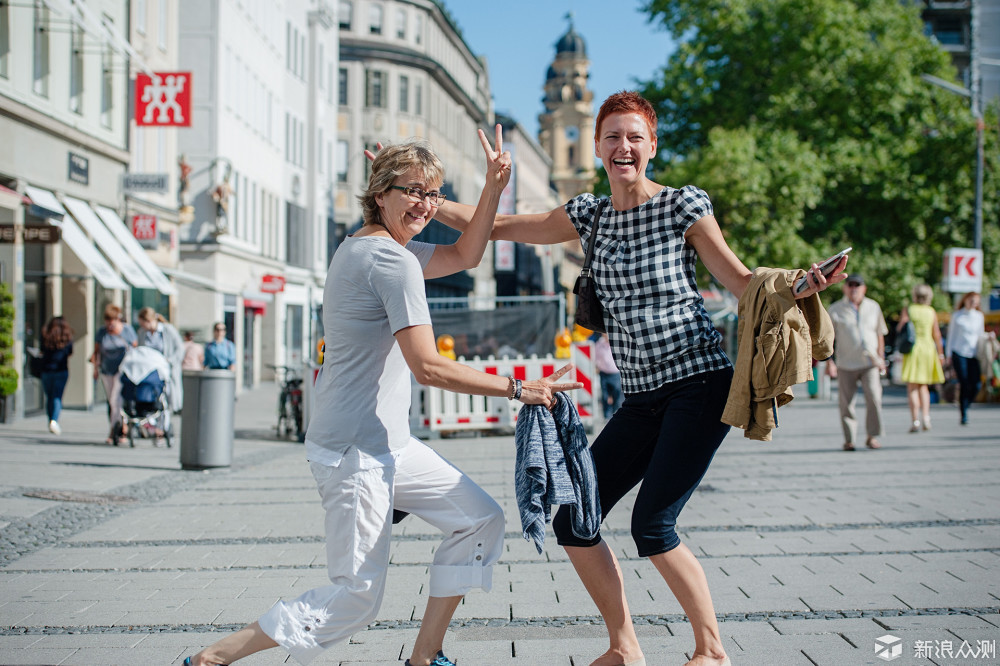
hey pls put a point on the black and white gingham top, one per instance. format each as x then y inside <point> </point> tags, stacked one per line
<point>644,273</point>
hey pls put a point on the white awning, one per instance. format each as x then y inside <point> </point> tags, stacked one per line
<point>91,258</point>
<point>128,241</point>
<point>109,245</point>
<point>44,203</point>
<point>75,239</point>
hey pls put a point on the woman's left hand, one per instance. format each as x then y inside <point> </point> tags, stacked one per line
<point>818,282</point>
<point>498,163</point>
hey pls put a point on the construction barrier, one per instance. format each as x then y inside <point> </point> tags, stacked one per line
<point>434,410</point>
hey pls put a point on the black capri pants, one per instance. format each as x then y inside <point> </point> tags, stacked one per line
<point>665,439</point>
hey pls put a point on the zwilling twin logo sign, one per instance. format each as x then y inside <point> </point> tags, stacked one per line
<point>163,99</point>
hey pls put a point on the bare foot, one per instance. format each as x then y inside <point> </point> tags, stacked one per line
<point>618,657</point>
<point>705,660</point>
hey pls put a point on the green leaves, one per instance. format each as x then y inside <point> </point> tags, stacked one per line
<point>809,125</point>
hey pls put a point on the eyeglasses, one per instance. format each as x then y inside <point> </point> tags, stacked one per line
<point>436,198</point>
<point>220,329</point>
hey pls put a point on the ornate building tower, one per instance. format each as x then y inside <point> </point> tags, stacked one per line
<point>567,126</point>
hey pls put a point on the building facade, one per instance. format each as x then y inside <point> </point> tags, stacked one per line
<point>260,154</point>
<point>405,72</point>
<point>566,128</point>
<point>65,70</point>
<point>969,30</point>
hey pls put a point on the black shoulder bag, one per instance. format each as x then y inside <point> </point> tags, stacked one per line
<point>589,311</point>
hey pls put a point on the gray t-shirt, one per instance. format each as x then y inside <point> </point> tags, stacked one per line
<point>374,288</point>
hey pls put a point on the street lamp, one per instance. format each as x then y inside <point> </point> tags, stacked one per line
<point>977,114</point>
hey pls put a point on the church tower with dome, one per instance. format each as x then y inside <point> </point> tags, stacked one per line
<point>566,128</point>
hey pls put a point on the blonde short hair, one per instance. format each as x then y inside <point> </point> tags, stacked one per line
<point>392,162</point>
<point>922,294</point>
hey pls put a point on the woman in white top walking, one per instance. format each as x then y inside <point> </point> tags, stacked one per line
<point>964,330</point>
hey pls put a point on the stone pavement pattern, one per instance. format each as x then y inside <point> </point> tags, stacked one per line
<point>812,553</point>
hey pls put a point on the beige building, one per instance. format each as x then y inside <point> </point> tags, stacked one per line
<point>65,68</point>
<point>405,71</point>
<point>567,125</point>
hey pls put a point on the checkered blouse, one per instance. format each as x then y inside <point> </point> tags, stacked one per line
<point>644,273</point>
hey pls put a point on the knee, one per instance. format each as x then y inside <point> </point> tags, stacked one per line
<point>653,537</point>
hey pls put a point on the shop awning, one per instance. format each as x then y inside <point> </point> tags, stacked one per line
<point>199,282</point>
<point>11,199</point>
<point>44,203</point>
<point>109,245</point>
<point>74,238</point>
<point>131,245</point>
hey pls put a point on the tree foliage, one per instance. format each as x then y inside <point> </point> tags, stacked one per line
<point>809,124</point>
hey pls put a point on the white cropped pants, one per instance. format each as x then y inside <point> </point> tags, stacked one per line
<point>359,495</point>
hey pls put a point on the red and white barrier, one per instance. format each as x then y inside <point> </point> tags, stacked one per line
<point>434,410</point>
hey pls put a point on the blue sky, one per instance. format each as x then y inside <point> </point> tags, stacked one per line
<point>518,38</point>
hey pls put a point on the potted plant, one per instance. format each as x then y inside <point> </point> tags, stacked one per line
<point>8,371</point>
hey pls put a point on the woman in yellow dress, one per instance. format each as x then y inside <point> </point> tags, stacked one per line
<point>922,366</point>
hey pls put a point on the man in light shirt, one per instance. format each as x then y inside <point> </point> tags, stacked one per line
<point>859,350</point>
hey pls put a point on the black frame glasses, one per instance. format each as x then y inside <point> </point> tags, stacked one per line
<point>436,198</point>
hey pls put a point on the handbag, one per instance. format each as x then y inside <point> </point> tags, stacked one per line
<point>589,311</point>
<point>35,365</point>
<point>906,337</point>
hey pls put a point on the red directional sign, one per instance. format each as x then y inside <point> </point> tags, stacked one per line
<point>963,269</point>
<point>272,284</point>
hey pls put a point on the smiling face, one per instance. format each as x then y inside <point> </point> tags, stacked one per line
<point>625,144</point>
<point>403,215</point>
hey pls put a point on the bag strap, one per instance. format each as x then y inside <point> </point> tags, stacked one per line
<point>589,258</point>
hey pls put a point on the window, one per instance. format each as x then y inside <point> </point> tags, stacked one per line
<point>401,23</point>
<point>418,98</point>
<point>342,86</point>
<point>319,150</point>
<point>107,83</point>
<point>76,70</point>
<point>4,40</point>
<point>342,152</point>
<point>289,46</point>
<point>404,94</point>
<point>418,28</point>
<point>344,11</point>
<point>375,19</point>
<point>330,90</point>
<point>40,80</point>
<point>375,95</point>
<point>140,16</point>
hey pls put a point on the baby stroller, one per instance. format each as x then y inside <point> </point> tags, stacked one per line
<point>145,372</point>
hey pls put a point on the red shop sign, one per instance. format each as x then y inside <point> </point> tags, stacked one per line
<point>272,284</point>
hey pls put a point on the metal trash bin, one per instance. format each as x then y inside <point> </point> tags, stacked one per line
<point>207,418</point>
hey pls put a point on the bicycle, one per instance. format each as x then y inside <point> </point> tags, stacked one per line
<point>290,403</point>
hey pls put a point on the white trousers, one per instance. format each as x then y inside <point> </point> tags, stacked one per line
<point>359,499</point>
<point>113,390</point>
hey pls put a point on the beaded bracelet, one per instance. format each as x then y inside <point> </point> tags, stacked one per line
<point>515,388</point>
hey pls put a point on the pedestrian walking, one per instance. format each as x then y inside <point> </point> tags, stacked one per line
<point>366,464</point>
<point>194,353</point>
<point>859,358</point>
<point>611,378</point>
<point>675,376</point>
<point>923,365</point>
<point>156,332</point>
<point>110,344</point>
<point>965,328</point>
<point>57,347</point>
<point>220,353</point>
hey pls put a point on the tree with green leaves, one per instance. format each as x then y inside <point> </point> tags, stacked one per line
<point>808,123</point>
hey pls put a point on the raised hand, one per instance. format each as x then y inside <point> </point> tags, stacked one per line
<point>370,155</point>
<point>498,163</point>
<point>539,391</point>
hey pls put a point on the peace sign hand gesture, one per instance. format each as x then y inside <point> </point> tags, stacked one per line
<point>498,163</point>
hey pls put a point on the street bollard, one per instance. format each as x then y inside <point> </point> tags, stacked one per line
<point>207,419</point>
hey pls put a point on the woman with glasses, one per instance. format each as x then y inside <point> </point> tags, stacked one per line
<point>110,345</point>
<point>675,376</point>
<point>366,464</point>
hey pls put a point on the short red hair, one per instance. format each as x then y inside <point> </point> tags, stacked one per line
<point>627,101</point>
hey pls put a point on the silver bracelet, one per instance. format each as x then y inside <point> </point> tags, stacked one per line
<point>517,389</point>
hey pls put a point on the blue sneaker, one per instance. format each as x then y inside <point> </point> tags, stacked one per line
<point>439,660</point>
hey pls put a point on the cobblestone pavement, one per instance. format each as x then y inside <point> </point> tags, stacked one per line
<point>117,556</point>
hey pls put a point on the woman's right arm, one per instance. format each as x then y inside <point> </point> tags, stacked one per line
<point>431,369</point>
<point>536,228</point>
